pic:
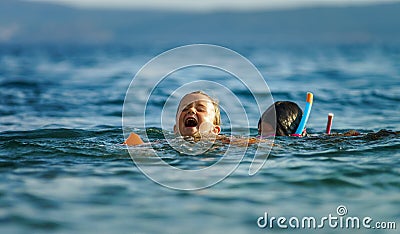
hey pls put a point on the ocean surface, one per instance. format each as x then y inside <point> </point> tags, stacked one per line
<point>63,168</point>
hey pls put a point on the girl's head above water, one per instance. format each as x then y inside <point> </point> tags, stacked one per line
<point>281,119</point>
<point>197,113</point>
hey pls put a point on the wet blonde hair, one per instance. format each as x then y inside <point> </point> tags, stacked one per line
<point>217,119</point>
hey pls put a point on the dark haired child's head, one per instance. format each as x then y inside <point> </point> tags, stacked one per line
<point>280,119</point>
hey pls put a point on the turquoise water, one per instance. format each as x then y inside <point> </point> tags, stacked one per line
<point>63,169</point>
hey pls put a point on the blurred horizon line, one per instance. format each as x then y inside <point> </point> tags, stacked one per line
<point>199,8</point>
<point>27,22</point>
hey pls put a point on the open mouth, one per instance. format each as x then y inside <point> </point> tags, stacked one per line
<point>191,122</point>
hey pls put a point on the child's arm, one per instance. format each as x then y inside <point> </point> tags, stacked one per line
<point>133,139</point>
<point>238,141</point>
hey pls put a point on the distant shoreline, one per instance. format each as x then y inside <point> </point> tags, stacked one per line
<point>32,22</point>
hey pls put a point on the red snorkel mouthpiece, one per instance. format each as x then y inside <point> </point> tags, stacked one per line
<point>329,123</point>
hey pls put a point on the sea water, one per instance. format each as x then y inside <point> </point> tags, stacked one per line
<point>63,168</point>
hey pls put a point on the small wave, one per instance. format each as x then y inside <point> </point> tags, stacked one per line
<point>20,84</point>
<point>63,142</point>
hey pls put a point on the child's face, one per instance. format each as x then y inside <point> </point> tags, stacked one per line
<point>195,115</point>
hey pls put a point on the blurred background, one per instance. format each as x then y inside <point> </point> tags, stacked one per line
<point>181,22</point>
<point>346,52</point>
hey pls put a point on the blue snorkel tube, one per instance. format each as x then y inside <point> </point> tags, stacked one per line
<point>305,116</point>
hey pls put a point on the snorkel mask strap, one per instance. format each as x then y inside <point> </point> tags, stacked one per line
<point>304,119</point>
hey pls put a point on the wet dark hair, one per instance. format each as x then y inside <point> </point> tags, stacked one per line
<point>288,116</point>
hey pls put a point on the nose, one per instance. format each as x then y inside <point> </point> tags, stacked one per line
<point>191,110</point>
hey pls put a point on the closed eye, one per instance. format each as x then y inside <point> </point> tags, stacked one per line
<point>186,108</point>
<point>201,108</point>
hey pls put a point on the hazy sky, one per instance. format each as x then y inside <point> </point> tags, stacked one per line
<point>205,5</point>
